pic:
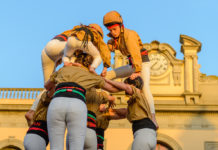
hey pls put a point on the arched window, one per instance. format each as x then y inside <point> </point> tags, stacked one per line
<point>11,144</point>
<point>10,147</point>
<point>162,146</point>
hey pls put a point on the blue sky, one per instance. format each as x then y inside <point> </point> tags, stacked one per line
<point>26,26</point>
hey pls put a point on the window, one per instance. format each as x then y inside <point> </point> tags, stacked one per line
<point>162,146</point>
<point>10,147</point>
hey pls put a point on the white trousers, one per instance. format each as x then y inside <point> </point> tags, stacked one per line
<point>70,113</point>
<point>144,139</point>
<point>50,53</point>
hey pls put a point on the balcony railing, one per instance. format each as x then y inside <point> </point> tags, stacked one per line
<point>19,93</point>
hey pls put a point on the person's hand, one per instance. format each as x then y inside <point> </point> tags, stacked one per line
<point>111,101</point>
<point>104,72</point>
<point>76,64</point>
<point>92,70</point>
<point>29,117</point>
<point>51,92</point>
<point>67,64</point>
<point>135,75</point>
<point>102,108</point>
<point>111,104</point>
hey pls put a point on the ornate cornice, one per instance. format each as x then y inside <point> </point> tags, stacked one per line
<point>189,42</point>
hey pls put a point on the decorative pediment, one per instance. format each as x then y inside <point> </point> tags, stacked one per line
<point>188,41</point>
<point>167,51</point>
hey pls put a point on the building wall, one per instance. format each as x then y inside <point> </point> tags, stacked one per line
<point>186,103</point>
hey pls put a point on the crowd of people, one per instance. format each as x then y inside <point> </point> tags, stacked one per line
<point>76,98</point>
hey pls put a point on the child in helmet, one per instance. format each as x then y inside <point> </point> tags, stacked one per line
<point>130,45</point>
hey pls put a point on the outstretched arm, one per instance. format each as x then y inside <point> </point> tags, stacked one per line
<point>121,86</point>
<point>110,88</point>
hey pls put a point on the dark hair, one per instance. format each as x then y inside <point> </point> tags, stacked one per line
<point>83,58</point>
<point>137,82</point>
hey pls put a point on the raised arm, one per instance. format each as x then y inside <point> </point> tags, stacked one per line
<point>110,88</point>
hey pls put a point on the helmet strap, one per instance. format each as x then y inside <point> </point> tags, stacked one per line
<point>109,27</point>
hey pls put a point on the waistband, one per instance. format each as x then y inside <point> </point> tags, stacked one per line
<point>144,55</point>
<point>100,138</point>
<point>143,123</point>
<point>91,120</point>
<point>61,37</point>
<point>70,89</point>
<point>39,127</point>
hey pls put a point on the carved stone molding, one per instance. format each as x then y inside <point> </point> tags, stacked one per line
<point>211,145</point>
<point>192,97</point>
<point>189,43</point>
<point>203,78</point>
<point>162,138</point>
<point>170,53</point>
<point>11,141</point>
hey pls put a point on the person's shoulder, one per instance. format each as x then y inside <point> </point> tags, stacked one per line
<point>136,91</point>
<point>130,33</point>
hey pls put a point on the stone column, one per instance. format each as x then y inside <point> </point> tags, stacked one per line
<point>188,75</point>
<point>190,47</point>
<point>195,73</point>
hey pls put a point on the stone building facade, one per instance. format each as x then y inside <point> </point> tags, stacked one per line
<point>186,103</point>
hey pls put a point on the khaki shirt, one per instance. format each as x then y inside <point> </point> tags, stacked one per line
<point>103,120</point>
<point>94,99</point>
<point>138,107</point>
<point>78,75</point>
<point>129,43</point>
<point>42,108</point>
<point>98,42</point>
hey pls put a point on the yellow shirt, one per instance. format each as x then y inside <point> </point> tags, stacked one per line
<point>129,43</point>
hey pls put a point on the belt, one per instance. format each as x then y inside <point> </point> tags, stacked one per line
<point>100,138</point>
<point>143,123</point>
<point>39,127</point>
<point>144,55</point>
<point>70,89</point>
<point>91,120</point>
<point>61,37</point>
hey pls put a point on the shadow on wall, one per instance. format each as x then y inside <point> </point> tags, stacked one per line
<point>201,128</point>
